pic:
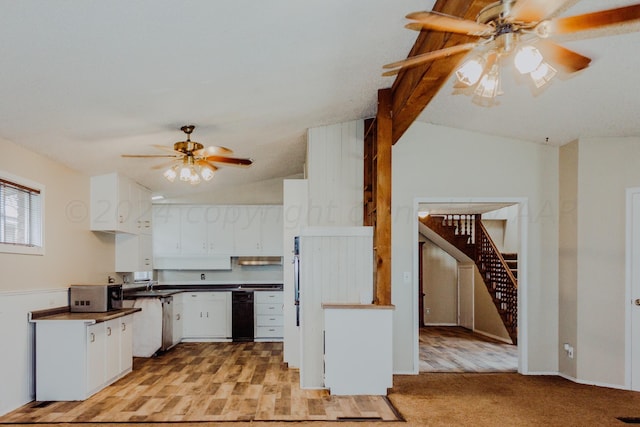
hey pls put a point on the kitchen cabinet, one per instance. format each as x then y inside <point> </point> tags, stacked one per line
<point>186,237</point>
<point>119,204</point>
<point>134,252</point>
<point>207,316</point>
<point>77,358</point>
<point>268,315</point>
<point>178,318</point>
<point>258,231</point>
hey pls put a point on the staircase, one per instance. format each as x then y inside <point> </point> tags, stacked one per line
<point>499,271</point>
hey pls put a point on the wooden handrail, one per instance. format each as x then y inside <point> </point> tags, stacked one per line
<point>499,255</point>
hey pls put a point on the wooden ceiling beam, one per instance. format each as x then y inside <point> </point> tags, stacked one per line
<point>415,87</point>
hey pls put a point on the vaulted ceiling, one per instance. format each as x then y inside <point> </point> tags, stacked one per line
<point>86,81</point>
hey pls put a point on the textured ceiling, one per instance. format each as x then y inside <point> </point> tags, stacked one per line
<point>84,81</point>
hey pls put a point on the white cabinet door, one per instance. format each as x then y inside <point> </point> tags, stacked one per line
<point>193,232</point>
<point>207,315</point>
<point>247,230</point>
<point>272,231</point>
<point>96,357</point>
<point>112,355</point>
<point>134,252</point>
<point>178,318</point>
<point>166,230</point>
<point>220,230</point>
<point>111,207</point>
<point>143,207</point>
<point>126,343</point>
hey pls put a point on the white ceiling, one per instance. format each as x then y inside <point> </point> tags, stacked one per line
<point>84,81</point>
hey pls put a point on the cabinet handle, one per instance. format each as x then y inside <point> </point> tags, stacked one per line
<point>124,326</point>
<point>109,331</point>
<point>178,316</point>
<point>207,314</point>
<point>200,314</point>
<point>93,337</point>
<point>272,318</point>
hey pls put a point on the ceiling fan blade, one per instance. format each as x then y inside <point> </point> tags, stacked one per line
<point>426,57</point>
<point>451,24</point>
<point>212,151</point>
<point>569,60</point>
<point>153,155</point>
<point>165,148</point>
<point>206,164</point>
<point>165,164</point>
<point>594,20</point>
<point>536,10</point>
<point>230,161</point>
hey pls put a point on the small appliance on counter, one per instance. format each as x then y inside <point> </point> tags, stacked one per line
<point>95,298</point>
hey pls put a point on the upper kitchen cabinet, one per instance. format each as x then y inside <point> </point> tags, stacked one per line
<point>190,237</point>
<point>206,236</point>
<point>258,231</point>
<point>119,204</point>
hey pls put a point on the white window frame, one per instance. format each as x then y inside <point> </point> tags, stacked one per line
<point>20,249</point>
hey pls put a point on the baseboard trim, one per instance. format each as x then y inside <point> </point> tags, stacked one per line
<point>594,383</point>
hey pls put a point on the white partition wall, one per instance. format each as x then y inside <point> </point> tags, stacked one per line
<point>336,266</point>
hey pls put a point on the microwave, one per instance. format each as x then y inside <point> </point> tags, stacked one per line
<point>95,298</point>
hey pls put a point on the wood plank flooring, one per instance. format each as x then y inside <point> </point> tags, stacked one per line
<point>196,382</point>
<point>456,349</point>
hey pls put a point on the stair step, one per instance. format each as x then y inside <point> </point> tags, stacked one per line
<point>508,256</point>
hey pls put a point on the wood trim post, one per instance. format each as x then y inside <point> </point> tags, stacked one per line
<point>382,237</point>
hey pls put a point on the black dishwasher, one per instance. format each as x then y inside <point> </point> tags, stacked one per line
<point>242,316</point>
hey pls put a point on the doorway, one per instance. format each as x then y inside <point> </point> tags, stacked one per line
<point>465,330</point>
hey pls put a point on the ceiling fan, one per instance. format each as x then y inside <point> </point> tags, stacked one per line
<point>190,157</point>
<point>507,26</point>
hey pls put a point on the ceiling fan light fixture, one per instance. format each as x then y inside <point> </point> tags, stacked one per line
<point>489,86</point>
<point>207,172</point>
<point>527,59</point>
<point>185,173</point>
<point>194,178</point>
<point>469,73</point>
<point>542,74</point>
<point>171,173</point>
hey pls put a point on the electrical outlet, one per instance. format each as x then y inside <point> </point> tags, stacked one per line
<point>568,348</point>
<point>202,276</point>
<point>427,311</point>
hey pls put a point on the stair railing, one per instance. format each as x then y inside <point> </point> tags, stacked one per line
<point>499,279</point>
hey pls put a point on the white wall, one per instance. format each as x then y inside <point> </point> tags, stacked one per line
<point>73,254</point>
<point>568,258</point>
<point>606,167</point>
<point>440,286</point>
<point>335,166</point>
<point>435,161</point>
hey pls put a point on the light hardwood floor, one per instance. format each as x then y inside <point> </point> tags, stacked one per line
<point>456,349</point>
<point>209,382</point>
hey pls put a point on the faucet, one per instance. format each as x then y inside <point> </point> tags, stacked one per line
<point>149,286</point>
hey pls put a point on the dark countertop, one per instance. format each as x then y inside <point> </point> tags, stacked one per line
<point>165,290</point>
<point>63,313</point>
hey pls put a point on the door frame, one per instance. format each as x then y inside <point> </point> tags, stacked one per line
<point>629,272</point>
<point>523,224</point>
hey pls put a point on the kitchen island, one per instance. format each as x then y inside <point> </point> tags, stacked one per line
<point>78,354</point>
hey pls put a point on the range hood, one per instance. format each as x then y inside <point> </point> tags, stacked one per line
<point>259,260</point>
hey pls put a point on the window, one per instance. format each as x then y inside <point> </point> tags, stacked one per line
<point>21,212</point>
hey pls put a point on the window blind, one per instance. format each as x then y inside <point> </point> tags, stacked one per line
<point>20,214</point>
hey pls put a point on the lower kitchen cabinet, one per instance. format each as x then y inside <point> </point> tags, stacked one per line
<point>207,316</point>
<point>268,314</point>
<point>75,359</point>
<point>178,318</point>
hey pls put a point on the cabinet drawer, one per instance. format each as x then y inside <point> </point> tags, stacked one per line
<point>205,296</point>
<point>268,297</point>
<point>269,332</point>
<point>268,309</point>
<point>269,321</point>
